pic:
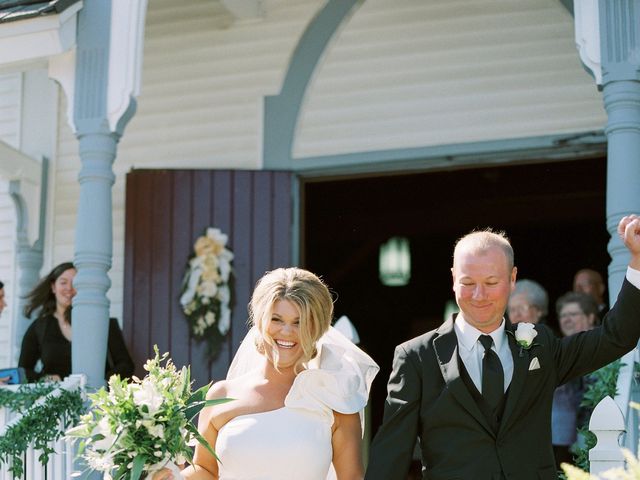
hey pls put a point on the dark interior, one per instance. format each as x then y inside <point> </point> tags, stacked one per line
<point>554,214</point>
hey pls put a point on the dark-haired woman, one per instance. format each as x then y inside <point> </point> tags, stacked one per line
<point>48,338</point>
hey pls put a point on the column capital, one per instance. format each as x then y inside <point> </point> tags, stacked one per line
<point>101,78</point>
<point>607,38</point>
<point>619,40</point>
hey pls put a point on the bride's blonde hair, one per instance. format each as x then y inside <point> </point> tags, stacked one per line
<point>310,296</point>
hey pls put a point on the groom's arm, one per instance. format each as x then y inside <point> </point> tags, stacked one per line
<point>392,448</point>
<point>585,352</point>
<point>620,330</point>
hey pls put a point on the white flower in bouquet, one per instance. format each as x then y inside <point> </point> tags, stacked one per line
<point>144,425</point>
<point>146,394</point>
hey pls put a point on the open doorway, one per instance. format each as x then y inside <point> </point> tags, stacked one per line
<point>554,214</point>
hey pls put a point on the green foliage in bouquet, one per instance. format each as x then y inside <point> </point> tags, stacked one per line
<point>139,427</point>
<point>41,425</point>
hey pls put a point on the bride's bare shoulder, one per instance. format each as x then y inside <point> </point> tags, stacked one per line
<point>225,388</point>
<point>217,390</point>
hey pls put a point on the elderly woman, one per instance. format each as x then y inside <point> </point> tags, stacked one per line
<point>528,302</point>
<point>299,386</point>
<point>577,312</point>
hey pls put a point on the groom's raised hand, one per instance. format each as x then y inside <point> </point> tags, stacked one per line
<point>629,231</point>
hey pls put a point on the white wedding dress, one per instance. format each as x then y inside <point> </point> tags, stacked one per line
<point>294,442</point>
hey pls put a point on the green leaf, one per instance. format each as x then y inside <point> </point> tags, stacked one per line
<point>138,465</point>
<point>201,440</point>
<point>199,394</point>
<point>195,408</point>
<point>186,376</point>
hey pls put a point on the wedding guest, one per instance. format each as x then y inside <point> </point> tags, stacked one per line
<point>3,301</point>
<point>577,312</point>
<point>590,282</point>
<point>3,304</point>
<point>48,338</point>
<point>299,386</point>
<point>529,302</point>
<point>478,398</point>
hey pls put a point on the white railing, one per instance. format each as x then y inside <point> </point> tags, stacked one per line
<point>614,420</point>
<point>61,463</point>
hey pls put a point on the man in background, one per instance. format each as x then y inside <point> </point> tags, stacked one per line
<point>590,282</point>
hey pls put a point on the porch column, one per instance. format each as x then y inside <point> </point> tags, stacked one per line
<point>93,253</point>
<point>619,43</point>
<point>107,80</point>
<point>93,246</point>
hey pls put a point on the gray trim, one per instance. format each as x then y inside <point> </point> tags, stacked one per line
<point>44,188</point>
<point>568,4</point>
<point>531,149</point>
<point>296,221</point>
<point>281,111</point>
<point>281,116</point>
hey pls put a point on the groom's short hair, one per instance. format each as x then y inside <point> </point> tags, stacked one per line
<point>483,240</point>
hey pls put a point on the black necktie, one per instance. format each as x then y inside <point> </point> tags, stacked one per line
<point>492,374</point>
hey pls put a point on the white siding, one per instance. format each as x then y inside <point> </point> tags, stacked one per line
<point>64,191</point>
<point>7,273</point>
<point>401,73</point>
<point>204,79</point>
<point>414,73</point>
<point>10,106</point>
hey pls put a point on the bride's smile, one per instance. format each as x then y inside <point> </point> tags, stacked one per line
<point>285,344</point>
<point>284,330</point>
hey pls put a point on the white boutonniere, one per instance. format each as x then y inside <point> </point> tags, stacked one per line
<point>525,333</point>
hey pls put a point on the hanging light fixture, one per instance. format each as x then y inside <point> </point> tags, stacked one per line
<point>394,262</point>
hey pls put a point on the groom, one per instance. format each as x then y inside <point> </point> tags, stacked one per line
<point>479,403</point>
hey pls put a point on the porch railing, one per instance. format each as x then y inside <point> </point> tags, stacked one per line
<point>614,422</point>
<point>61,463</point>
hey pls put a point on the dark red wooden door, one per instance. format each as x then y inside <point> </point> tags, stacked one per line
<point>166,210</point>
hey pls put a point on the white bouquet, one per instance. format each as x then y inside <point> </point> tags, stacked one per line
<point>142,426</point>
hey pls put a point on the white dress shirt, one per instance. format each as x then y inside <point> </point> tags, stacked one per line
<point>471,350</point>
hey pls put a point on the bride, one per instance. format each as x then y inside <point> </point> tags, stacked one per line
<point>298,386</point>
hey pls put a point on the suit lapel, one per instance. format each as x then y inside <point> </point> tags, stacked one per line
<point>520,368</point>
<point>446,349</point>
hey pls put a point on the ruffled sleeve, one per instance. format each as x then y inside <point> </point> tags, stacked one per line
<point>338,379</point>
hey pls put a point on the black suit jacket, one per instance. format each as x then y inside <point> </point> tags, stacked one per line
<point>428,399</point>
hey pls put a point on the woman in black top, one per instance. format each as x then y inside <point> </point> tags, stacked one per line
<point>48,338</point>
